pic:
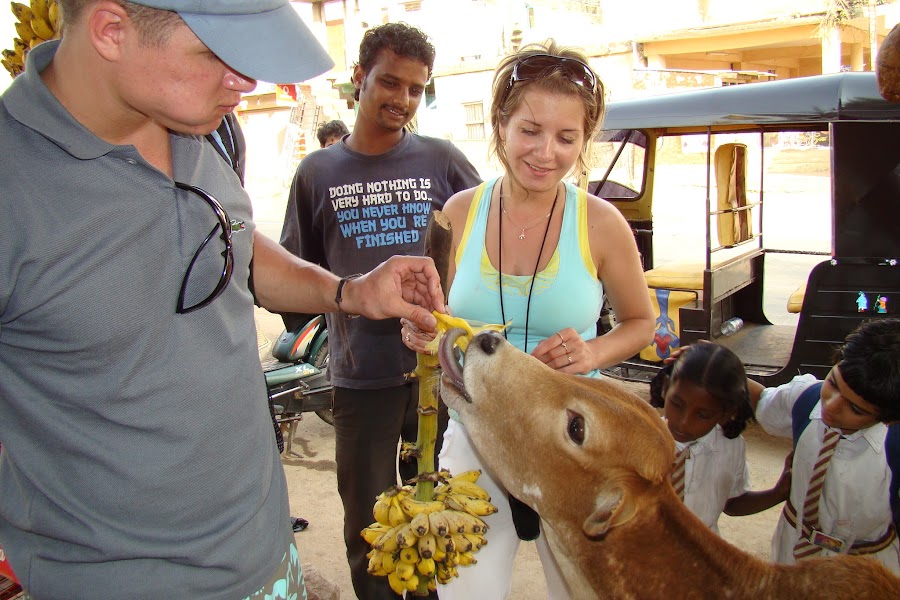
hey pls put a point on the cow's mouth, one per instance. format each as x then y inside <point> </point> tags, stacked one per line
<point>452,371</point>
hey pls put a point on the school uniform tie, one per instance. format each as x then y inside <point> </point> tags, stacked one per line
<point>810,514</point>
<point>678,470</point>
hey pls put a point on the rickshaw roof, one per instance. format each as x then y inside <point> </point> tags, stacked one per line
<point>801,101</point>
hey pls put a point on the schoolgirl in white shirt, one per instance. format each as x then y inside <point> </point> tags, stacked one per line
<point>705,401</point>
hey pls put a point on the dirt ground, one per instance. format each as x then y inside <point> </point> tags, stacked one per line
<point>313,493</point>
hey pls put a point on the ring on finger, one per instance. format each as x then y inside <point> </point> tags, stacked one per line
<point>561,338</point>
<point>407,338</point>
<point>569,356</point>
<point>566,347</point>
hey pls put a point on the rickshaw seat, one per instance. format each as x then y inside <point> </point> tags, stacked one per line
<point>733,227</point>
<point>795,301</point>
<point>684,276</point>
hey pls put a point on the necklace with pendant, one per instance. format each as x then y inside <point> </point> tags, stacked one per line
<point>536,264</point>
<point>524,229</point>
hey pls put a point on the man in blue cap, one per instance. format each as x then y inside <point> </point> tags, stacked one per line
<point>138,457</point>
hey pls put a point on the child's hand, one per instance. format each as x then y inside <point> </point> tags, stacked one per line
<point>783,487</point>
<point>675,354</point>
<point>679,350</point>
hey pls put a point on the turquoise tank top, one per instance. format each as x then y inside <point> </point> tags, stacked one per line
<point>566,292</point>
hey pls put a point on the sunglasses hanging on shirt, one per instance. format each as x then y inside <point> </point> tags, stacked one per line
<point>223,224</point>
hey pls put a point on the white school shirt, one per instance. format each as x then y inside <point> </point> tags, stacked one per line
<point>716,471</point>
<point>855,502</point>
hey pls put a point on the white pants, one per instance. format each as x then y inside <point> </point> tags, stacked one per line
<point>491,577</point>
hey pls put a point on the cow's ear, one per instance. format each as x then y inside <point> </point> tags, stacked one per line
<point>613,508</point>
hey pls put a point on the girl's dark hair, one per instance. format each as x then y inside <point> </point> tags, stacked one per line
<point>869,362</point>
<point>717,370</point>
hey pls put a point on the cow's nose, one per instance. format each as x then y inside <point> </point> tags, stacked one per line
<point>488,341</point>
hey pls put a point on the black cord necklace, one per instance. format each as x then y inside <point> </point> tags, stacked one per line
<point>536,264</point>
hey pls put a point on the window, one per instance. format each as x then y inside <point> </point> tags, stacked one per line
<point>621,154</point>
<point>589,8</point>
<point>474,120</point>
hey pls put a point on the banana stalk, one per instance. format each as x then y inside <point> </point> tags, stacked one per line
<point>428,372</point>
<point>438,238</point>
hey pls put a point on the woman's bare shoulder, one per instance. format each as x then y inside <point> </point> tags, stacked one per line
<point>609,233</point>
<point>600,211</point>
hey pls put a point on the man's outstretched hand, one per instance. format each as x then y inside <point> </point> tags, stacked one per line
<point>402,286</point>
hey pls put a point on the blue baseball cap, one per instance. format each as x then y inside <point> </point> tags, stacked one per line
<point>262,39</point>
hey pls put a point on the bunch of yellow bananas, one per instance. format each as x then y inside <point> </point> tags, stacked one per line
<point>36,23</point>
<point>414,539</point>
<point>422,534</point>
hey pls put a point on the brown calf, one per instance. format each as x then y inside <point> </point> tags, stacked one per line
<point>594,459</point>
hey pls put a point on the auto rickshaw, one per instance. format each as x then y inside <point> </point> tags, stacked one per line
<point>735,192</point>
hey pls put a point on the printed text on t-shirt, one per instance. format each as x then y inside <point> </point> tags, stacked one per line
<point>382,213</point>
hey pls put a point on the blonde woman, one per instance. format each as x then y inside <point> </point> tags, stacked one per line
<point>537,252</point>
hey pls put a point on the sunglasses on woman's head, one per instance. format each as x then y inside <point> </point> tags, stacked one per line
<point>538,65</point>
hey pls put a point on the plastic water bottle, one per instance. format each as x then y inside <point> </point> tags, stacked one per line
<point>732,326</point>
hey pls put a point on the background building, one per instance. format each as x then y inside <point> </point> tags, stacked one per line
<point>638,47</point>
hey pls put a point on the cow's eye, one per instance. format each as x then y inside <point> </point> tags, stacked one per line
<point>575,427</point>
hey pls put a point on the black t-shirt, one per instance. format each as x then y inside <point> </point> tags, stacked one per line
<point>349,212</point>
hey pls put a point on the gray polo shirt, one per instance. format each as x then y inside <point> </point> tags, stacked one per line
<point>138,457</point>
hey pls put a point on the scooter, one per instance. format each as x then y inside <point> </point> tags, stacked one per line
<point>297,379</point>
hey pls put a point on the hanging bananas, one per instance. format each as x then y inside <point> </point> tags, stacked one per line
<point>414,540</point>
<point>35,23</point>
<point>422,534</point>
